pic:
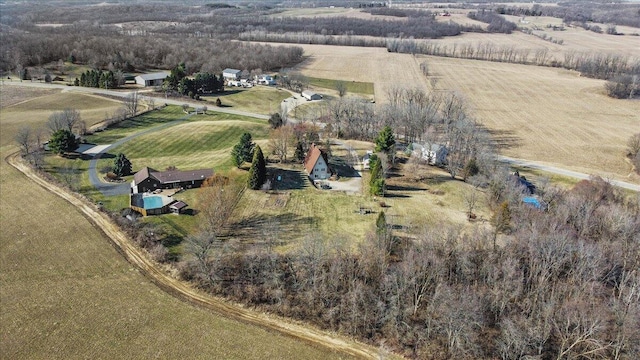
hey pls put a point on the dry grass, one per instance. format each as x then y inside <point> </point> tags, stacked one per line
<point>32,107</point>
<point>67,293</point>
<point>536,113</point>
<point>545,114</point>
<point>385,70</point>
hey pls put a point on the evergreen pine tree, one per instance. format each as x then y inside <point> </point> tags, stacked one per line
<point>121,165</point>
<point>258,170</point>
<point>299,154</point>
<point>385,141</point>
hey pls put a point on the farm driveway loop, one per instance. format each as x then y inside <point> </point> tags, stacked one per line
<point>108,189</point>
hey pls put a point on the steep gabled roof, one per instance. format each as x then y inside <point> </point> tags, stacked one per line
<point>312,158</point>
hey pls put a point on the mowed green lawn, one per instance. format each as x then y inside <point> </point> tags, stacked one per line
<point>66,293</point>
<point>258,99</point>
<point>191,145</point>
<point>357,87</point>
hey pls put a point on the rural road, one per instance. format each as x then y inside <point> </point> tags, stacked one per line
<point>108,189</point>
<point>124,94</point>
<point>185,291</point>
<point>563,172</point>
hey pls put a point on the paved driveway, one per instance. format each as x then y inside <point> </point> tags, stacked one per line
<point>111,189</point>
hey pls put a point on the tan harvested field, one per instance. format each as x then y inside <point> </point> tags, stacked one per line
<point>385,70</point>
<point>537,113</point>
<point>32,107</point>
<point>65,292</point>
<point>546,114</point>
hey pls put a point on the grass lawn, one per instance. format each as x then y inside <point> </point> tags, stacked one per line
<point>258,99</point>
<point>190,145</point>
<point>67,293</point>
<point>352,86</point>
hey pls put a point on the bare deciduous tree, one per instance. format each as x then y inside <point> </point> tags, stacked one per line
<point>130,103</point>
<point>67,119</point>
<point>24,139</point>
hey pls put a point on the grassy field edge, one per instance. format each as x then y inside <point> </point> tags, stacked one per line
<point>184,291</point>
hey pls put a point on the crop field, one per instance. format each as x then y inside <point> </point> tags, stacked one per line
<point>67,293</point>
<point>537,113</point>
<point>32,107</point>
<point>374,65</point>
<point>258,99</point>
<point>545,114</point>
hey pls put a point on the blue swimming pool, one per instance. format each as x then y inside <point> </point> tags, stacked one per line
<point>152,202</point>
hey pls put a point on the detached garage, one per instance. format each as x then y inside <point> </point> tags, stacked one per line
<point>153,79</point>
<point>310,95</point>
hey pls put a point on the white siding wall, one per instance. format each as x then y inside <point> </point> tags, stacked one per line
<point>320,170</point>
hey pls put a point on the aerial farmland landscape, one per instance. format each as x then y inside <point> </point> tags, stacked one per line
<point>319,179</point>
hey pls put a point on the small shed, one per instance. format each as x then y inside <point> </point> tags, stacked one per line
<point>178,207</point>
<point>310,95</point>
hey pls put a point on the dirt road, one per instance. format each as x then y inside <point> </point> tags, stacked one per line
<point>184,291</point>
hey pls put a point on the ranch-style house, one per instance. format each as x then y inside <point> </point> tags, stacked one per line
<point>148,179</point>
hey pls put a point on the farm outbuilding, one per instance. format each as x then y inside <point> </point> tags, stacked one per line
<point>231,74</point>
<point>152,79</point>
<point>310,95</point>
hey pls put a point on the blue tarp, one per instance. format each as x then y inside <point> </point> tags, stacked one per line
<point>532,201</point>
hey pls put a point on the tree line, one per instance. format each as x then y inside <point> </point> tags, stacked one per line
<point>128,53</point>
<point>563,283</point>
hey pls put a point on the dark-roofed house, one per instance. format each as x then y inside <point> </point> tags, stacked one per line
<point>148,179</point>
<point>317,164</point>
<point>152,79</point>
<point>231,74</point>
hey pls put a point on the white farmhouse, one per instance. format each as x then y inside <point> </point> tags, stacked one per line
<point>434,154</point>
<point>317,164</point>
<point>231,74</point>
<point>366,160</point>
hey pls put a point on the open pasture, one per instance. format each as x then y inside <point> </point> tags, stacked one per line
<point>545,114</point>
